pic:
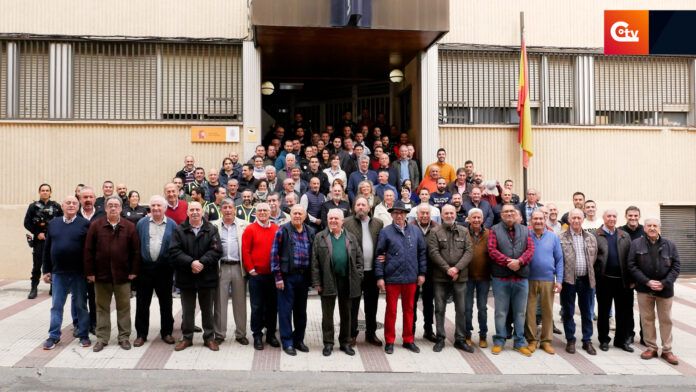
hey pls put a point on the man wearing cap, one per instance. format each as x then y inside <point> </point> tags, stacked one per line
<point>401,265</point>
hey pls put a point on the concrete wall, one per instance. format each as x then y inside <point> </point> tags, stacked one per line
<point>127,18</point>
<point>617,166</point>
<point>562,23</point>
<point>143,156</point>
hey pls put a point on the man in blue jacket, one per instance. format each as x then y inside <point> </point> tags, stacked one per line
<point>401,265</point>
<point>156,272</point>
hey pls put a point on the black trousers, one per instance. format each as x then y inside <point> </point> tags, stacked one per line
<point>426,294</point>
<point>371,298</point>
<point>328,304</point>
<point>264,305</point>
<point>37,258</point>
<point>157,279</point>
<point>206,296</point>
<point>612,290</point>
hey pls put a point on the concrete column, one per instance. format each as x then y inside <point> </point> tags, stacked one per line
<point>251,99</point>
<point>430,132</point>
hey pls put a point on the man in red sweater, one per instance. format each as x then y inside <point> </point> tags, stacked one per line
<point>176,209</point>
<point>257,241</point>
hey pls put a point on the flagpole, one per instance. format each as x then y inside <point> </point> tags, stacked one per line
<point>524,168</point>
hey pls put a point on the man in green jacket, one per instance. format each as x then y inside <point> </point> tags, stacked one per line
<point>337,272</point>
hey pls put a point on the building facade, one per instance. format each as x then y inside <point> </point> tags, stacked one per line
<point>111,90</point>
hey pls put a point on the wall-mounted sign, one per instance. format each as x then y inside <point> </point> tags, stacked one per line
<point>205,134</point>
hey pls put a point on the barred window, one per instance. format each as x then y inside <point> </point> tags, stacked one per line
<point>641,90</point>
<point>558,89</point>
<point>115,81</point>
<point>3,79</point>
<point>202,82</point>
<point>122,81</point>
<point>33,81</point>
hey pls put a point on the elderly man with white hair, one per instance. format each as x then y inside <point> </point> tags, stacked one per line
<point>337,272</point>
<point>579,256</point>
<point>155,232</point>
<point>291,264</point>
<point>654,265</point>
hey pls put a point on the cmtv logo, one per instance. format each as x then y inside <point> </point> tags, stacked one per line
<point>626,32</point>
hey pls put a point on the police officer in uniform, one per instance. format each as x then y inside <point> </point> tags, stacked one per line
<point>36,221</point>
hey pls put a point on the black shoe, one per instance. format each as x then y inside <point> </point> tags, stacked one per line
<point>32,293</point>
<point>243,340</point>
<point>429,335</point>
<point>411,347</point>
<point>462,345</point>
<point>197,329</point>
<point>439,345</point>
<point>272,341</point>
<point>302,347</point>
<point>373,340</point>
<point>346,348</point>
<point>328,348</point>
<point>626,347</point>
<point>258,343</point>
<point>290,351</point>
<point>389,348</point>
<point>556,330</point>
<point>604,346</point>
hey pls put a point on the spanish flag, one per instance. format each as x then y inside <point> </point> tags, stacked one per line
<point>524,135</point>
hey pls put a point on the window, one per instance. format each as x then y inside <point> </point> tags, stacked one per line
<point>3,79</point>
<point>33,76</point>
<point>480,87</point>
<point>641,90</point>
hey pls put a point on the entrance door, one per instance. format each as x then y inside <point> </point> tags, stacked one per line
<point>679,225</point>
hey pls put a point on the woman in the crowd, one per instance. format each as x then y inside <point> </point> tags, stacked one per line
<point>412,195</point>
<point>134,211</point>
<point>366,189</point>
<point>325,159</point>
<point>334,172</point>
<point>227,171</point>
<point>259,169</point>
<point>261,193</point>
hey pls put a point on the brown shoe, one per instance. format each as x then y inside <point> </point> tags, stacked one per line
<point>483,343</point>
<point>649,354</point>
<point>532,346</point>
<point>587,346</point>
<point>546,346</point>
<point>212,345</point>
<point>169,339</point>
<point>98,346</point>
<point>570,347</point>
<point>124,344</point>
<point>138,342</point>
<point>670,358</point>
<point>183,344</point>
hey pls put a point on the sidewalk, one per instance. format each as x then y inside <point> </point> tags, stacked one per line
<point>25,326</point>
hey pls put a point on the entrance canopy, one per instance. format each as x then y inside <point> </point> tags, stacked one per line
<point>353,40</point>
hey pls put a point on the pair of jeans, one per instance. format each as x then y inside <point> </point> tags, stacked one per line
<point>292,309</point>
<point>75,283</point>
<point>480,289</point>
<point>264,305</point>
<point>441,291</point>
<point>371,298</point>
<point>157,279</point>
<point>510,295</point>
<point>407,292</point>
<point>584,294</point>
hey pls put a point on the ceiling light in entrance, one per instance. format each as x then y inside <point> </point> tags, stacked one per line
<point>396,76</point>
<point>267,88</point>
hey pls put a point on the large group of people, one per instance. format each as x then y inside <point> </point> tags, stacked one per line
<point>346,212</point>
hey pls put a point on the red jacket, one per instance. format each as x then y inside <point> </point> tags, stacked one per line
<point>256,247</point>
<point>112,253</point>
